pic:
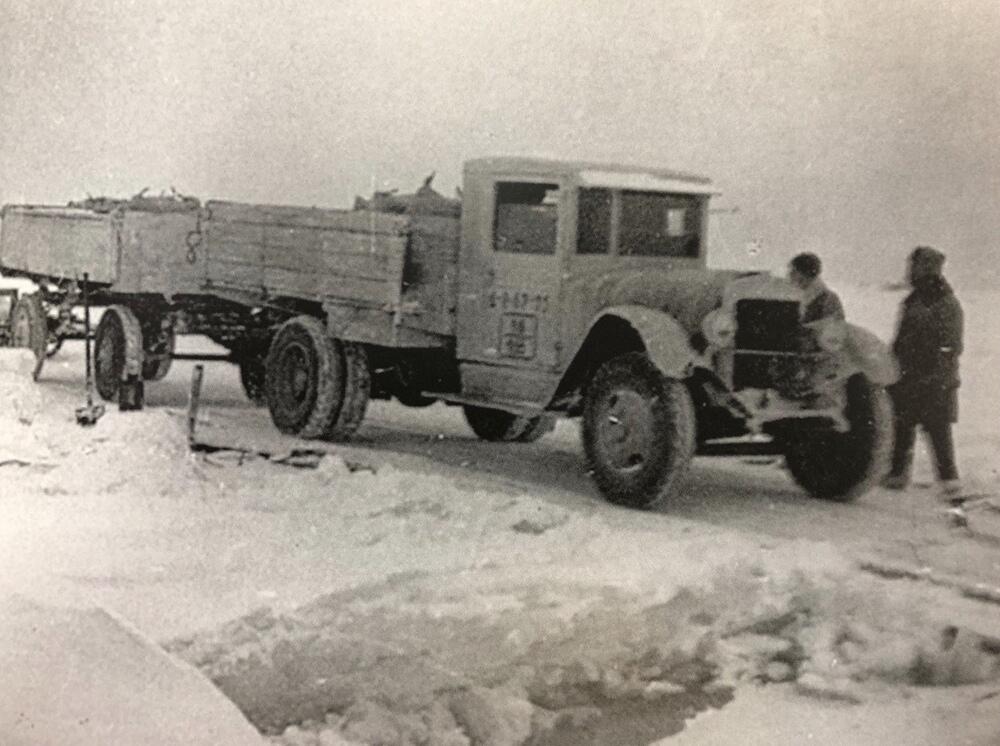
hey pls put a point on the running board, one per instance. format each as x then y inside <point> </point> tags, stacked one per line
<point>519,408</point>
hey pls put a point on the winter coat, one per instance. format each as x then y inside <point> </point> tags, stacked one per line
<point>927,347</point>
<point>822,303</point>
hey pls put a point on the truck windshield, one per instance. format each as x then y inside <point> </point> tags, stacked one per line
<point>658,224</point>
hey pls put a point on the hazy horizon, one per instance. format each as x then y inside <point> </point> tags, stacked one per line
<point>856,132</point>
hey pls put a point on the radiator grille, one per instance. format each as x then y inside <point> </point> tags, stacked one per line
<point>768,342</point>
<point>767,325</point>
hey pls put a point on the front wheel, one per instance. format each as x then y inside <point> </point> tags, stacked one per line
<point>638,431</point>
<point>840,466</point>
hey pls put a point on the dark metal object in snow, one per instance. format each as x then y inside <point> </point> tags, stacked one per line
<point>193,401</point>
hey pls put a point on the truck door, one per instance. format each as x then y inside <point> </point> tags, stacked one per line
<point>510,281</point>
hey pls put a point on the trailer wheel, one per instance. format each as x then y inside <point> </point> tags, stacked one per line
<point>303,378</point>
<point>158,359</point>
<point>29,328</point>
<point>252,379</point>
<point>357,390</point>
<point>496,425</point>
<point>117,350</point>
<point>841,466</point>
<point>638,431</point>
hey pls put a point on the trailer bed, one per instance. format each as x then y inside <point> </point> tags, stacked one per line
<point>131,252</point>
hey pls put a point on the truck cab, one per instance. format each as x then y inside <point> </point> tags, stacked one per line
<point>545,245</point>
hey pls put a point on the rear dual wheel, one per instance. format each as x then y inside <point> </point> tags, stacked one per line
<point>252,375</point>
<point>315,386</point>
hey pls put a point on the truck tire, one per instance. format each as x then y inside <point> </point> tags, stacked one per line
<point>117,350</point>
<point>29,328</point>
<point>496,425</point>
<point>303,378</point>
<point>841,466</point>
<point>638,431</point>
<point>252,379</point>
<point>357,384</point>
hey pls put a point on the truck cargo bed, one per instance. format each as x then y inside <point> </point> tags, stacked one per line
<point>308,254</point>
<point>383,278</point>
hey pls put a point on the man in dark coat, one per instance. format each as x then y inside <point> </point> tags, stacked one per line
<point>927,346</point>
<point>818,302</point>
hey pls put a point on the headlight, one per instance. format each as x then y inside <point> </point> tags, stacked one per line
<point>832,336</point>
<point>719,328</point>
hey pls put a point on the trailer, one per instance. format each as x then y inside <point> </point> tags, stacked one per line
<point>546,289</point>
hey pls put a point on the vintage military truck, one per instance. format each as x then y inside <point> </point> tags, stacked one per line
<point>547,289</point>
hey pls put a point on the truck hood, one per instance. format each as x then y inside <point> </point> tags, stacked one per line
<point>686,294</point>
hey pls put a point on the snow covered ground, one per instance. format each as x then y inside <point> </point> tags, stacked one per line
<point>420,587</point>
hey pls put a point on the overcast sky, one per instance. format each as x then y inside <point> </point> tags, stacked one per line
<point>854,128</point>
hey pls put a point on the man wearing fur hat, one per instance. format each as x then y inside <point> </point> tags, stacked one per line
<point>927,346</point>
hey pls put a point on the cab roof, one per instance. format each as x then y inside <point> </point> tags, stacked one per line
<point>589,173</point>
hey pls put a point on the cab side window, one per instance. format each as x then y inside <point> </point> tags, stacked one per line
<point>526,218</point>
<point>593,225</point>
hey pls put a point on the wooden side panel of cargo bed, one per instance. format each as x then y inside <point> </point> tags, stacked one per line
<point>160,253</point>
<point>312,254</point>
<point>431,274</point>
<point>58,242</point>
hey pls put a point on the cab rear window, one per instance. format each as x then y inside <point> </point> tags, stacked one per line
<point>526,218</point>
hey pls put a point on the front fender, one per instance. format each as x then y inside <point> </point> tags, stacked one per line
<point>665,340</point>
<point>868,354</point>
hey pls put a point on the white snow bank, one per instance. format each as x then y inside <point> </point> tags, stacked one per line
<point>80,676</point>
<point>141,452</point>
<point>20,404</point>
<point>499,654</point>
